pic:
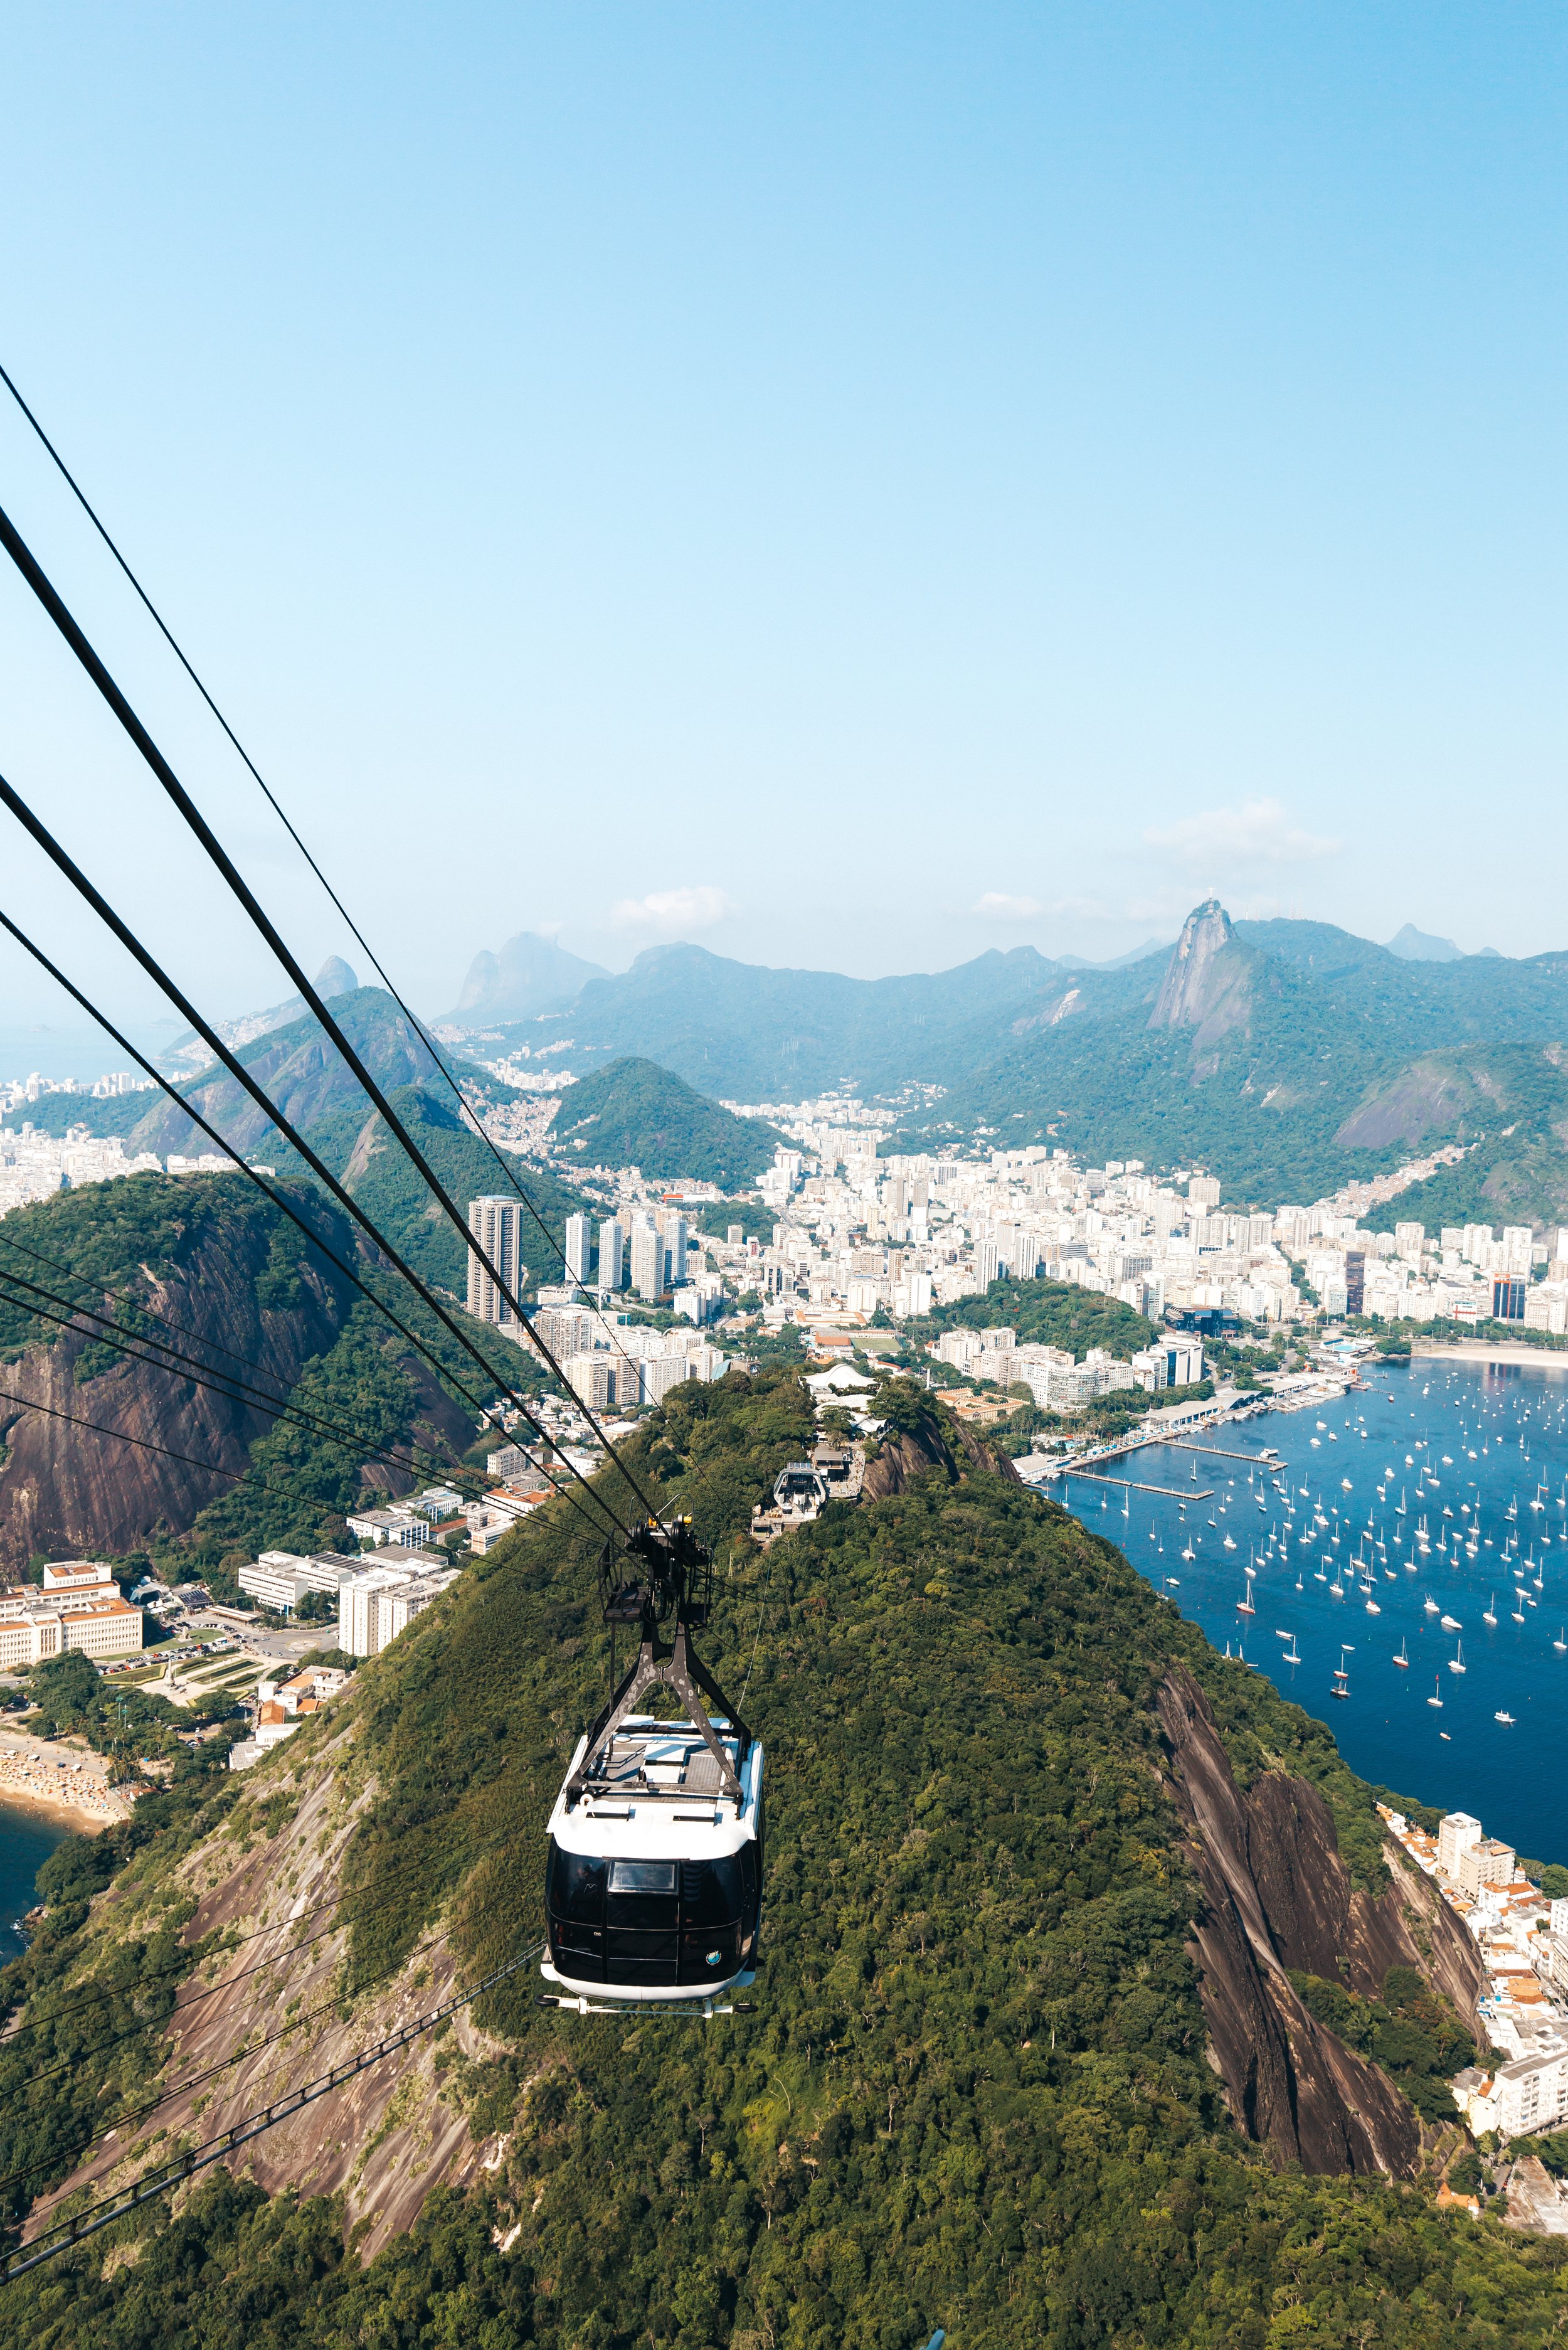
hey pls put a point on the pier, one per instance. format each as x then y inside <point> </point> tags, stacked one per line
<point>1131,1485</point>
<point>1267,1459</point>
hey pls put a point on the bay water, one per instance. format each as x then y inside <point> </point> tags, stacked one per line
<point>1437,1446</point>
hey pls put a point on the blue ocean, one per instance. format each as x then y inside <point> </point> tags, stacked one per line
<point>27,1837</point>
<point>1422,1517</point>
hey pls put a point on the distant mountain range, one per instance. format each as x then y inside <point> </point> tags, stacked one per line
<point>1287,1055</point>
<point>528,976</point>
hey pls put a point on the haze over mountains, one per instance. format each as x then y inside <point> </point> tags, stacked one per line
<point>1285,1055</point>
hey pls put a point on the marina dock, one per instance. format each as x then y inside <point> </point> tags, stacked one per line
<point>1131,1484</point>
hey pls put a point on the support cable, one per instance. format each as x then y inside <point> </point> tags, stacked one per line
<point>12,800</point>
<point>257,1934</point>
<point>133,1345</point>
<point>54,604</point>
<point>211,1990</point>
<point>273,802</point>
<point>159,2182</point>
<point>145,1444</point>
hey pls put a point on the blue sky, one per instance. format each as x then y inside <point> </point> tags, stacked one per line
<point>850,486</point>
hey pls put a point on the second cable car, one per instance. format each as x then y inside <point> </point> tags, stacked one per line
<point>654,1875</point>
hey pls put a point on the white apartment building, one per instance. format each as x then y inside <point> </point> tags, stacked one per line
<point>1456,1834</point>
<point>1532,2094</point>
<point>402,1525</point>
<point>648,1262</point>
<point>379,1602</point>
<point>580,1244</point>
<point>79,1606</point>
<point>496,1222</point>
<point>612,1253</point>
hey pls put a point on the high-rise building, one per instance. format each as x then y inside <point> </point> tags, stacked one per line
<point>985,1263</point>
<point>1508,1300</point>
<point>673,1231</point>
<point>1409,1241</point>
<point>1203,1190</point>
<point>1355,1279</point>
<point>578,1244</point>
<point>648,1262</point>
<point>496,1224</point>
<point>1455,1833</point>
<point>612,1253</point>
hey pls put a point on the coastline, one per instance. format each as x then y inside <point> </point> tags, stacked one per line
<point>74,1819</point>
<point>1486,1350</point>
<point>38,1776</point>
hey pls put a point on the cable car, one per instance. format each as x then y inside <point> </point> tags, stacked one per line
<point>653,1877</point>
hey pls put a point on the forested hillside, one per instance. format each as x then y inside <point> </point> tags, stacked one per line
<point>1045,1314</point>
<point>976,2089</point>
<point>636,1114</point>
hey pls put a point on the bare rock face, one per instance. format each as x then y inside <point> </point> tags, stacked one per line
<point>1277,1896</point>
<point>68,1487</point>
<point>387,2138</point>
<point>904,1458</point>
<point>1207,982</point>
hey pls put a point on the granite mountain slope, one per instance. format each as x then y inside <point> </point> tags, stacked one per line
<point>1032,1846</point>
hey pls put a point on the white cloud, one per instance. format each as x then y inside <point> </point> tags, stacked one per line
<point>694,908</point>
<point>1259,832</point>
<point>996,906</point>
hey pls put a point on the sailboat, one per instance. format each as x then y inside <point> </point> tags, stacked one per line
<point>1244,1605</point>
<point>1561,1643</point>
<point>1456,1661</point>
<point>1340,1679</point>
<point>1402,1660</point>
<point>1488,1616</point>
<point>1436,1697</point>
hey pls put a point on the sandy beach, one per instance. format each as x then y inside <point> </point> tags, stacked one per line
<point>59,1779</point>
<point>1491,1350</point>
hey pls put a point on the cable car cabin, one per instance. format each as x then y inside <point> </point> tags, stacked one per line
<point>654,1881</point>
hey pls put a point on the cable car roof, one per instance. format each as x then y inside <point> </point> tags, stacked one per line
<point>656,1791</point>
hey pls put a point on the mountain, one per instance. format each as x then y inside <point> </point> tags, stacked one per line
<point>744,1032</point>
<point>189,1052</point>
<point>208,1254</point>
<point>528,976</point>
<point>1420,946</point>
<point>1287,1057</point>
<point>1060,1911</point>
<point>635,1114</point>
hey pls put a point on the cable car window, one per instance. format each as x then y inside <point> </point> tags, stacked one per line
<point>575,1887</point>
<point>642,1877</point>
<point>711,1891</point>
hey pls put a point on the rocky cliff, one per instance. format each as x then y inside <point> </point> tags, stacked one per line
<point>1277,1896</point>
<point>952,1447</point>
<point>1207,982</point>
<point>67,1488</point>
<point>387,2138</point>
